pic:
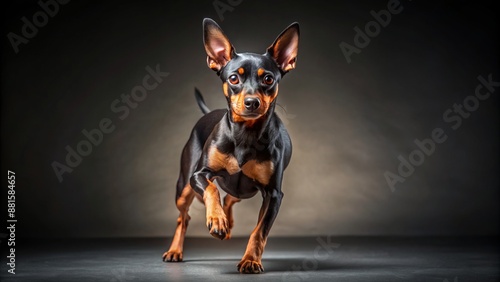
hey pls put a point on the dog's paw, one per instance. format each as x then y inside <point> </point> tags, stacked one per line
<point>172,256</point>
<point>218,226</point>
<point>250,266</point>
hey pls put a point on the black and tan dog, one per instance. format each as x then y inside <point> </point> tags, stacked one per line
<point>245,148</point>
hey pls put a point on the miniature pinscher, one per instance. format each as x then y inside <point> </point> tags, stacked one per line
<point>245,148</point>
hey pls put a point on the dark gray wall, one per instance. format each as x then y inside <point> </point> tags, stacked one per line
<point>349,121</point>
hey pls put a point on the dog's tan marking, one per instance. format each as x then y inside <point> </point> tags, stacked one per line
<point>218,161</point>
<point>260,71</point>
<point>241,71</point>
<point>260,172</point>
<point>211,198</point>
<point>268,99</point>
<point>216,218</point>
<point>225,89</point>
<point>237,107</point>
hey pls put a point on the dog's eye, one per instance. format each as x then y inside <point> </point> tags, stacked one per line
<point>233,79</point>
<point>268,79</point>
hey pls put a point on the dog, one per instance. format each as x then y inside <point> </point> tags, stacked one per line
<point>245,148</point>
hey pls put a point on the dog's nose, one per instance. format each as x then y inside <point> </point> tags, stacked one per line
<point>252,104</point>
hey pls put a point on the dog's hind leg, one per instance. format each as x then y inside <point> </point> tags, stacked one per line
<point>229,201</point>
<point>183,202</point>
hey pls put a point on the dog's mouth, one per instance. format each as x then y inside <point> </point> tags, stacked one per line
<point>248,116</point>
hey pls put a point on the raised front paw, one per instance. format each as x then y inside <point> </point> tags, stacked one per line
<point>250,266</point>
<point>217,225</point>
<point>172,256</point>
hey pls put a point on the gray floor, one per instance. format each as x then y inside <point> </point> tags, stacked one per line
<point>285,259</point>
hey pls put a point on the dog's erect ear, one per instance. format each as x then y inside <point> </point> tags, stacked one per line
<point>285,47</point>
<point>219,49</point>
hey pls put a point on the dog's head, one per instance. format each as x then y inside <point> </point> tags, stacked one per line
<point>250,81</point>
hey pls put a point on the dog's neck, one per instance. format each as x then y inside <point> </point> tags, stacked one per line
<point>253,133</point>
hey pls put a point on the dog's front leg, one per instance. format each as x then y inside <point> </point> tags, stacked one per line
<point>217,223</point>
<point>251,261</point>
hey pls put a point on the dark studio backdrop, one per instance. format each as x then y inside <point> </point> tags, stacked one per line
<point>367,99</point>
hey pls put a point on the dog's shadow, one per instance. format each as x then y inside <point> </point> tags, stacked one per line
<point>293,264</point>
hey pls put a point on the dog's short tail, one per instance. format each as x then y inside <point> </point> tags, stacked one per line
<point>201,101</point>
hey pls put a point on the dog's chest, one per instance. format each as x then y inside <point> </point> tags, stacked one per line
<point>260,171</point>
